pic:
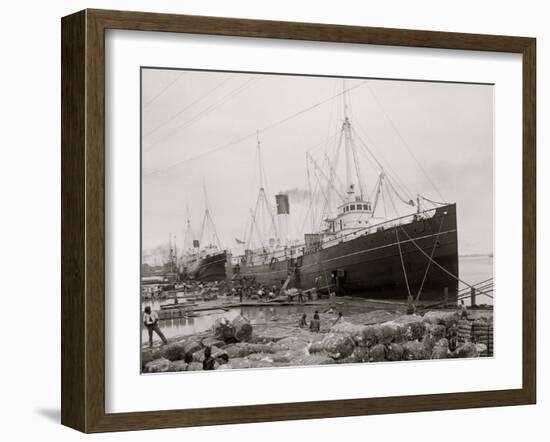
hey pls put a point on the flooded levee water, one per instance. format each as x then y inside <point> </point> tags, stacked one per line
<point>473,269</point>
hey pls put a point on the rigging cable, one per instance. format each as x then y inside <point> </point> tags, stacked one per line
<point>248,238</point>
<point>335,160</point>
<point>310,211</point>
<point>310,195</point>
<point>435,203</point>
<point>440,266</point>
<point>396,130</point>
<point>255,224</point>
<point>208,218</point>
<point>402,263</point>
<point>388,170</point>
<point>478,283</point>
<point>430,260</point>
<point>333,175</point>
<point>376,195</point>
<point>330,184</point>
<point>400,251</point>
<point>393,205</point>
<point>382,188</point>
<point>410,202</point>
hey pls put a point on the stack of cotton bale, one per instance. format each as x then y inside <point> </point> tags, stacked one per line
<point>481,333</point>
<point>464,331</point>
<point>239,329</point>
<point>491,334</point>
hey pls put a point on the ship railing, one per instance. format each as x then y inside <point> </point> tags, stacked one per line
<point>375,227</point>
<point>267,257</point>
<point>299,249</point>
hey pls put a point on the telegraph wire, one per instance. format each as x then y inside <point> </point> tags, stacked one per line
<point>252,134</point>
<point>204,112</point>
<point>149,102</point>
<point>178,113</point>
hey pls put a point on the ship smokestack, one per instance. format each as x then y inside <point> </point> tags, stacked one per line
<point>283,212</point>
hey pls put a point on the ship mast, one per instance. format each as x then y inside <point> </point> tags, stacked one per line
<point>260,162</point>
<point>175,254</point>
<point>171,254</point>
<point>350,150</point>
<point>352,188</point>
<point>262,201</point>
<point>189,235</point>
<point>347,140</point>
<point>207,221</point>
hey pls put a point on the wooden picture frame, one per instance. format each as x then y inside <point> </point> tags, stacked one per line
<point>83,219</point>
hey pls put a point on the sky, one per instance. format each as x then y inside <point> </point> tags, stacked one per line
<point>201,130</point>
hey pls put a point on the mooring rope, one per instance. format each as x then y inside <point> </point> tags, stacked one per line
<point>430,259</point>
<point>479,285</point>
<point>440,266</point>
<point>403,263</point>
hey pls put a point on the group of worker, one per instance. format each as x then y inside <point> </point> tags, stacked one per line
<point>315,323</point>
<point>264,292</point>
<point>301,295</point>
<point>248,291</point>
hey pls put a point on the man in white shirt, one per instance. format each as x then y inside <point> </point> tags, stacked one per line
<point>150,320</point>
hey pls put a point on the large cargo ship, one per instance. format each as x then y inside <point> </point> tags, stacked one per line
<point>359,250</point>
<point>414,255</point>
<point>209,265</point>
<point>206,263</point>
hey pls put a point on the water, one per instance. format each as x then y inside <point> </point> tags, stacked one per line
<point>473,269</point>
<point>187,326</point>
<point>204,320</point>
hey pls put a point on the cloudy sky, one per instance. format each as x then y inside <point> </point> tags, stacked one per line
<point>435,139</point>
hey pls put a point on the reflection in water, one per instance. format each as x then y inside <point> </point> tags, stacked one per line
<point>187,325</point>
<point>203,321</point>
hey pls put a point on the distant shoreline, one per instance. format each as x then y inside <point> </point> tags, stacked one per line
<point>476,255</point>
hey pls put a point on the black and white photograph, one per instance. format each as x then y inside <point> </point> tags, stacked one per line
<point>251,221</point>
<point>302,220</point>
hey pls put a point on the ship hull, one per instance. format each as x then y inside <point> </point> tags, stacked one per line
<point>210,268</point>
<point>379,265</point>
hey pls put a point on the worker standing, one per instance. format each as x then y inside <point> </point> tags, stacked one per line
<point>209,362</point>
<point>463,311</point>
<point>150,320</point>
<point>315,324</point>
